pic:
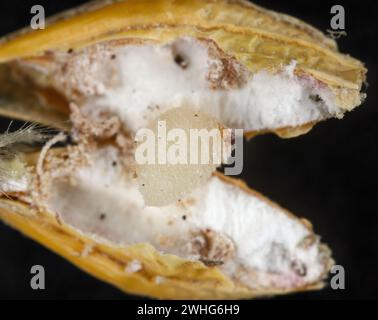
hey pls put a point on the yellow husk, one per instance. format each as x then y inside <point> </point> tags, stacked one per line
<point>257,38</point>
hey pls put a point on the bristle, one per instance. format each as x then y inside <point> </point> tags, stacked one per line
<point>28,134</point>
<point>12,167</point>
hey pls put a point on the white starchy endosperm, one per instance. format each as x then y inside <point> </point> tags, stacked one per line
<point>250,239</point>
<point>142,81</point>
<point>149,76</point>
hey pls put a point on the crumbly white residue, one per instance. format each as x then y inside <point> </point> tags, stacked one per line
<point>151,81</point>
<point>133,266</point>
<point>159,279</point>
<point>88,248</point>
<point>14,185</point>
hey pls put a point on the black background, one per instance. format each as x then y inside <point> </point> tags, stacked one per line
<point>328,176</point>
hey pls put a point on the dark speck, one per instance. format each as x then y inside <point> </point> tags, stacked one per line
<point>114,163</point>
<point>102,216</point>
<point>196,115</point>
<point>315,98</point>
<point>180,60</point>
<point>299,268</point>
<point>211,263</point>
<point>113,56</point>
<point>70,50</point>
<point>184,217</point>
